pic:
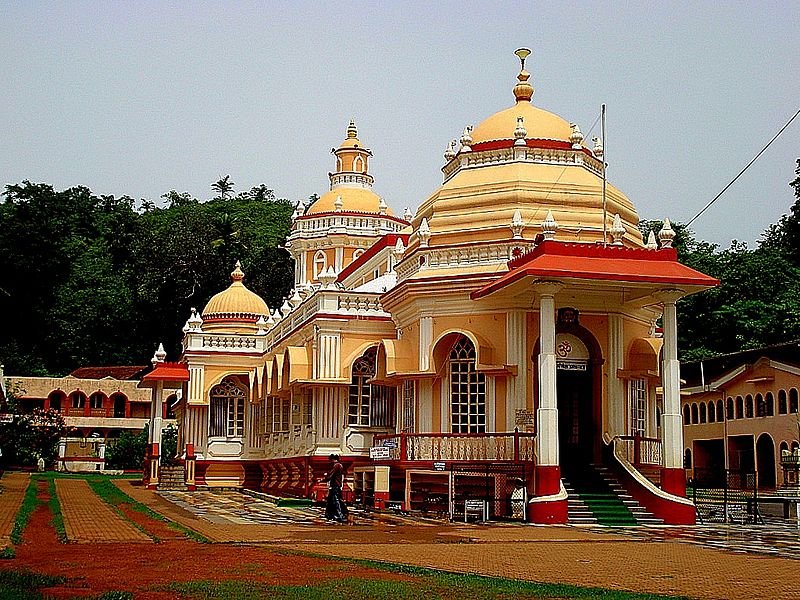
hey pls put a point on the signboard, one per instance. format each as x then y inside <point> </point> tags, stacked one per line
<point>565,365</point>
<point>379,452</point>
<point>390,443</point>
<point>6,418</point>
<point>524,417</point>
<point>438,466</point>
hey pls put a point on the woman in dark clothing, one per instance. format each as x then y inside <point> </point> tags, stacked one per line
<point>335,509</point>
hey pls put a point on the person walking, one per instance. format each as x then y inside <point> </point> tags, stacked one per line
<point>335,509</point>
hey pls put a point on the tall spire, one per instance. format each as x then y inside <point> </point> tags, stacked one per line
<point>523,91</point>
<point>352,132</point>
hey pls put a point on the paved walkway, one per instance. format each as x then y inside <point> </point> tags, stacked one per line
<point>713,562</point>
<point>12,491</point>
<point>87,518</point>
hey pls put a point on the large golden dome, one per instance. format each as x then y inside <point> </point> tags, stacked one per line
<point>539,123</point>
<point>235,303</point>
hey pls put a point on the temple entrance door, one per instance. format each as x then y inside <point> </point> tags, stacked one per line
<point>574,389</point>
<point>574,416</point>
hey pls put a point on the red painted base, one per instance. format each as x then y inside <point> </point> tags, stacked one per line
<point>673,481</point>
<point>548,480</point>
<point>547,483</point>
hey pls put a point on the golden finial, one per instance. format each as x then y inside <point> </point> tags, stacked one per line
<point>352,132</point>
<point>237,274</point>
<point>523,91</point>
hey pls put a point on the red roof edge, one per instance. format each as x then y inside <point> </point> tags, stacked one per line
<point>168,371</point>
<point>530,143</point>
<point>389,240</point>
<point>592,250</point>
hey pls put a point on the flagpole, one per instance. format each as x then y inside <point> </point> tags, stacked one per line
<point>603,135</point>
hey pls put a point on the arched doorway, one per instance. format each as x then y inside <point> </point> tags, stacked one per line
<point>765,459</point>
<point>575,406</point>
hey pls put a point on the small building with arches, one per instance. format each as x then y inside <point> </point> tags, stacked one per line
<point>498,339</point>
<point>740,413</point>
<point>97,403</point>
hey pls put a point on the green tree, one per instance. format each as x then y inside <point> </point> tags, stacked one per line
<point>25,437</point>
<point>127,452</point>
<point>223,187</point>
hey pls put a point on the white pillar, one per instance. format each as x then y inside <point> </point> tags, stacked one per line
<point>547,413</point>
<point>425,342</point>
<point>156,422</point>
<point>616,387</point>
<point>672,426</point>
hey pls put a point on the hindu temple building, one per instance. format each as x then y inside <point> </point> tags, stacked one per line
<point>496,348</point>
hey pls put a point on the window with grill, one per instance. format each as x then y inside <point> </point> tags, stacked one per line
<point>467,390</point>
<point>78,400</point>
<point>408,405</point>
<point>370,404</point>
<point>637,398</point>
<point>227,410</point>
<point>269,408</point>
<point>280,414</point>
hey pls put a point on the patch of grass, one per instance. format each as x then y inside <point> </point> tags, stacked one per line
<point>434,583</point>
<point>55,510</point>
<point>115,595</point>
<point>29,504</point>
<point>24,585</point>
<point>8,552</point>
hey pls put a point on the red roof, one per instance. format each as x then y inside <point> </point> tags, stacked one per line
<point>124,372</point>
<point>390,239</point>
<point>552,259</point>
<point>167,371</point>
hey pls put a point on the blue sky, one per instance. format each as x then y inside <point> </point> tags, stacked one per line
<point>140,98</point>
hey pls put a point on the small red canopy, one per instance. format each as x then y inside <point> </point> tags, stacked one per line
<point>555,260</point>
<point>168,372</point>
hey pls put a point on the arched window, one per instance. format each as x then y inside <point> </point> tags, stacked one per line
<point>739,407</point>
<point>96,401</point>
<point>56,399</point>
<point>770,400</point>
<point>702,412</point>
<point>370,404</point>
<point>720,414</point>
<point>695,417</point>
<point>171,401</point>
<point>467,390</point>
<point>687,418</point>
<point>782,402</point>
<point>320,263</point>
<point>748,406</point>
<point>358,164</point>
<point>712,412</point>
<point>761,406</point>
<point>783,448</point>
<point>118,402</point>
<point>729,412</point>
<point>687,459</point>
<point>793,400</point>
<point>795,445</point>
<point>227,410</point>
<point>77,399</point>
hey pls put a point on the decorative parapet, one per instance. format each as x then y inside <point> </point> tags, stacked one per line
<point>448,257</point>
<point>325,302</point>
<point>224,342</point>
<point>347,223</point>
<point>510,154</point>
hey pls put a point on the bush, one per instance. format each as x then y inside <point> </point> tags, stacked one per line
<point>128,451</point>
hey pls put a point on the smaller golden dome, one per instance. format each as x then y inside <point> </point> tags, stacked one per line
<point>354,199</point>
<point>236,301</point>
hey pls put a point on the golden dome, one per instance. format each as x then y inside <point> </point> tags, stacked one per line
<point>353,200</point>
<point>236,302</point>
<point>539,123</point>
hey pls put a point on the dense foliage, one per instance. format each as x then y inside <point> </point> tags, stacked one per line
<point>26,437</point>
<point>89,280</point>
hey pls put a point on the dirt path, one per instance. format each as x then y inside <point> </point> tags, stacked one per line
<point>12,491</point>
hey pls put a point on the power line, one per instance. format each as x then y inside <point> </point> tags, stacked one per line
<point>755,158</point>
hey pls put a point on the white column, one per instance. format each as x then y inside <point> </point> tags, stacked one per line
<point>339,259</point>
<point>156,422</point>
<point>425,341</point>
<point>547,413</point>
<point>672,427</point>
<point>616,387</point>
<point>516,340</point>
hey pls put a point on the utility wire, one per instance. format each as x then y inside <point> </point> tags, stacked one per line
<point>755,158</point>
